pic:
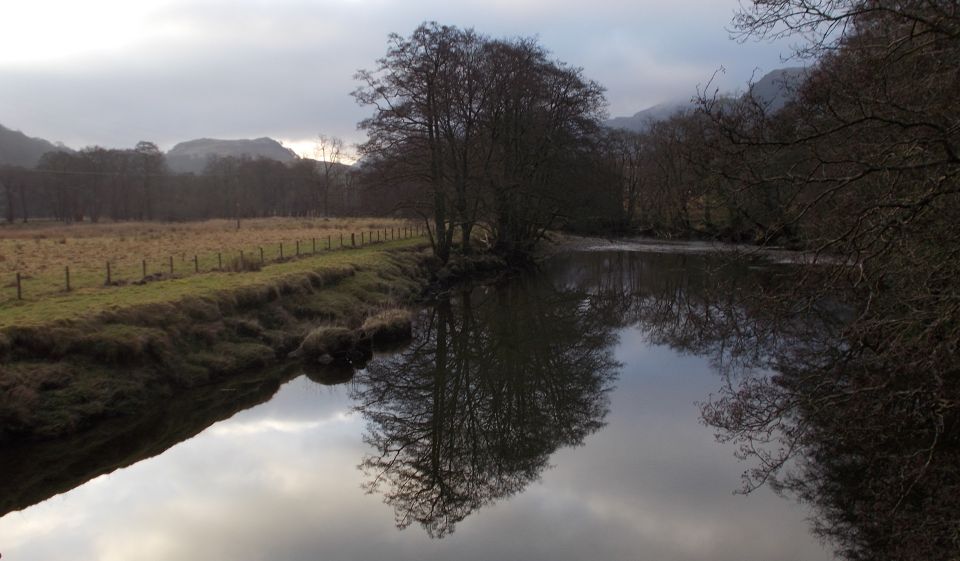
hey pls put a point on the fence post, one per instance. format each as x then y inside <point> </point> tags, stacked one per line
<point>361,238</point>
<point>241,260</point>
<point>19,291</point>
<point>171,265</point>
<point>143,265</point>
<point>219,261</point>
<point>341,239</point>
<point>281,250</point>
<point>314,242</point>
<point>328,241</point>
<point>261,255</point>
<point>67,269</point>
<point>298,248</point>
<point>108,274</point>
<point>196,264</point>
<point>353,239</point>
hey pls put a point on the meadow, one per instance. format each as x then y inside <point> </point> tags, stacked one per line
<point>42,252</point>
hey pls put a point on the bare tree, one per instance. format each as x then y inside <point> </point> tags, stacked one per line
<point>151,165</point>
<point>404,136</point>
<point>328,152</point>
<point>485,128</point>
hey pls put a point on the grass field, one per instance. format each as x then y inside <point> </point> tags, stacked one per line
<point>71,358</point>
<point>41,252</point>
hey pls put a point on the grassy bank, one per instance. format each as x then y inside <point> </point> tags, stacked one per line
<point>41,252</point>
<point>79,357</point>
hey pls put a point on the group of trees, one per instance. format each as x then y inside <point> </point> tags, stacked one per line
<point>493,140</point>
<point>480,135</point>
<point>863,162</point>
<point>91,184</point>
<point>136,184</point>
<point>864,168</point>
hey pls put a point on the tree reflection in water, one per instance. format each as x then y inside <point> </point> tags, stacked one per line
<point>498,380</point>
<point>495,382</point>
<point>873,447</point>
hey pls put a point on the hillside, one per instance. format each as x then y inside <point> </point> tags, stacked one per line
<point>642,120</point>
<point>774,90</point>
<point>779,87</point>
<point>192,155</point>
<point>18,149</point>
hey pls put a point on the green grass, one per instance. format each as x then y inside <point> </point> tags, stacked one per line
<point>84,304</point>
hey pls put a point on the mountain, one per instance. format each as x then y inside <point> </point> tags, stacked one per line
<point>18,149</point>
<point>642,120</point>
<point>775,89</point>
<point>192,155</point>
<point>779,87</point>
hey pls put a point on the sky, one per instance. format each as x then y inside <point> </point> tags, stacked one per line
<point>295,492</point>
<point>114,72</point>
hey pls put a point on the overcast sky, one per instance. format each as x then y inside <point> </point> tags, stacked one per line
<point>113,72</point>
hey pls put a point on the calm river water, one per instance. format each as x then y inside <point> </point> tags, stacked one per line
<point>552,417</point>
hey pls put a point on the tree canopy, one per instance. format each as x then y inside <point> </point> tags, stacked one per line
<point>484,133</point>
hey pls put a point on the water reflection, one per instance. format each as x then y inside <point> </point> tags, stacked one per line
<point>35,471</point>
<point>872,447</point>
<point>473,411</point>
<point>495,382</point>
<point>492,398</point>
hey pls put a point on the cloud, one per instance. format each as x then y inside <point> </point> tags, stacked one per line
<point>111,72</point>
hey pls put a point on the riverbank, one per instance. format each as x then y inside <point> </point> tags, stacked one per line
<point>73,360</point>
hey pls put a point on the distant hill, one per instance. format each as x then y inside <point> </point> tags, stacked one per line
<point>192,155</point>
<point>642,120</point>
<point>775,89</point>
<point>779,87</point>
<point>18,149</point>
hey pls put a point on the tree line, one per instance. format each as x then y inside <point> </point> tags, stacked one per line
<point>136,184</point>
<point>863,169</point>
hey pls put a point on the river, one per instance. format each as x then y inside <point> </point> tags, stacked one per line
<point>555,416</point>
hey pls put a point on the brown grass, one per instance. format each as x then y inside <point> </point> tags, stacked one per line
<point>60,373</point>
<point>389,326</point>
<point>41,251</point>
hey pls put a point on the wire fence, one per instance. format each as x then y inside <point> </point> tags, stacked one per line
<point>141,270</point>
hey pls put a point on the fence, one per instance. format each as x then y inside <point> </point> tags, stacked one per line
<point>234,260</point>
